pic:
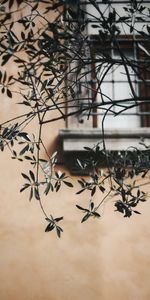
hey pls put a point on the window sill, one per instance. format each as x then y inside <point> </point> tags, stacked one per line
<point>74,140</point>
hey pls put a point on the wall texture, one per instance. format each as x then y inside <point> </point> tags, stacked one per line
<point>107,259</point>
<point>101,259</point>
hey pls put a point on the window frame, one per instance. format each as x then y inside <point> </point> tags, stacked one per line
<point>126,42</point>
<point>76,136</point>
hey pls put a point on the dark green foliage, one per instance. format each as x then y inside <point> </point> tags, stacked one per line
<point>91,212</point>
<point>5,80</point>
<point>129,201</point>
<point>52,224</point>
<point>46,52</point>
<point>122,176</point>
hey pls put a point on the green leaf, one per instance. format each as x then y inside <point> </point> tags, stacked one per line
<point>31,194</point>
<point>25,176</point>
<point>95,26</point>
<point>10,78</point>
<point>24,187</point>
<point>86,217</point>
<point>3,90</point>
<point>59,230</point>
<point>81,208</point>
<point>82,183</point>
<point>4,77</point>
<point>32,175</point>
<point>69,184</point>
<point>92,205</point>
<point>9,93</point>
<point>14,153</point>
<point>0,76</point>
<point>28,157</point>
<point>148,29</point>
<point>57,186</point>
<point>5,59</point>
<point>102,189</point>
<point>36,193</point>
<point>35,6</point>
<point>48,187</point>
<point>142,200</point>
<point>138,193</point>
<point>96,214</point>
<point>5,132</point>
<point>25,149</point>
<point>58,219</point>
<point>22,35</point>
<point>88,149</point>
<point>79,192</point>
<point>50,227</point>
<point>24,135</point>
<point>26,103</point>
<point>13,36</point>
<point>143,49</point>
<point>137,212</point>
<point>80,164</point>
<point>93,191</point>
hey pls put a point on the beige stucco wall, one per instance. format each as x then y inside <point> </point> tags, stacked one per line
<point>101,259</point>
<point>105,259</point>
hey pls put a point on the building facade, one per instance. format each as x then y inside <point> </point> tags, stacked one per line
<point>106,258</point>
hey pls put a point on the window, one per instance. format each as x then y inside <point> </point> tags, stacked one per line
<point>121,78</point>
<point>108,80</point>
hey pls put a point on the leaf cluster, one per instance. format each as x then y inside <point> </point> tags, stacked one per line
<point>128,202</point>
<point>52,224</point>
<point>92,212</point>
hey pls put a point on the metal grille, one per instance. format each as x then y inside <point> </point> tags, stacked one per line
<point>88,88</point>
